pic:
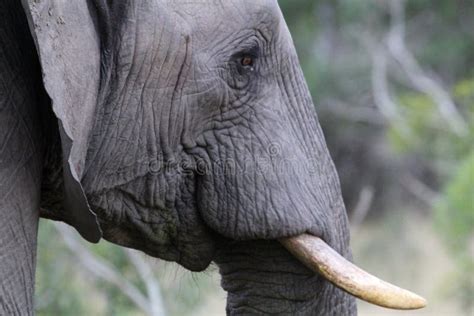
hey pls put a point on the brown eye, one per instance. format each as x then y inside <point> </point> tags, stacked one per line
<point>246,61</point>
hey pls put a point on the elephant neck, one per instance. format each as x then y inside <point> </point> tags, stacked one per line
<point>21,155</point>
<point>18,239</point>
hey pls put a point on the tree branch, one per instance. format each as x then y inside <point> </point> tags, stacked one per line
<point>362,208</point>
<point>381,92</point>
<point>358,115</point>
<point>415,73</point>
<point>152,285</point>
<point>420,190</point>
<point>102,270</point>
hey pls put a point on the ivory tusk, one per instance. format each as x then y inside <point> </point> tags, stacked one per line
<point>321,258</point>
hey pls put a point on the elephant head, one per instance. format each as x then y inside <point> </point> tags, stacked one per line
<point>188,132</point>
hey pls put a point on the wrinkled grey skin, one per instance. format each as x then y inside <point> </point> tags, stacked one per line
<point>164,137</point>
<point>22,148</point>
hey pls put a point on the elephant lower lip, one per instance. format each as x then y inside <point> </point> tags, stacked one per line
<point>321,258</point>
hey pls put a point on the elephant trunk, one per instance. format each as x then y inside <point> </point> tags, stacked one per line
<point>262,277</point>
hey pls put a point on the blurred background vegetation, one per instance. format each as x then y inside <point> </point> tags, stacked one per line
<point>393,83</point>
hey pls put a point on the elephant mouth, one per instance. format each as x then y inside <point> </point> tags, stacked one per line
<point>322,259</point>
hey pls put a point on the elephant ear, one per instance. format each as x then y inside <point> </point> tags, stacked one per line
<point>68,46</point>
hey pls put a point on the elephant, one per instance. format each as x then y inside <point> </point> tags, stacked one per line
<point>184,129</point>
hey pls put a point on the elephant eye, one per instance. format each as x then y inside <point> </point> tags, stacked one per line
<point>247,61</point>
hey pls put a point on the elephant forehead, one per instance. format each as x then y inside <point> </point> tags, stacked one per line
<point>217,17</point>
<point>219,6</point>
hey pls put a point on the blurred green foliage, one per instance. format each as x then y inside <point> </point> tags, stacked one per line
<point>65,287</point>
<point>455,214</point>
<point>429,136</point>
<point>58,288</point>
<point>451,158</point>
<point>455,219</point>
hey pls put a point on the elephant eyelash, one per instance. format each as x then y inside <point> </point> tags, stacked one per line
<point>250,52</point>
